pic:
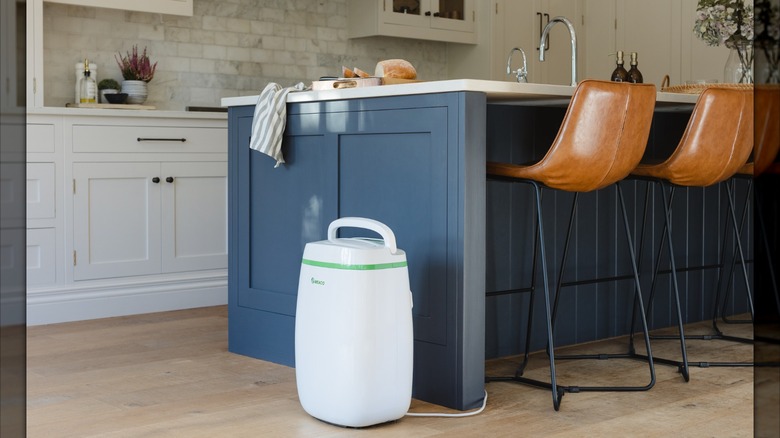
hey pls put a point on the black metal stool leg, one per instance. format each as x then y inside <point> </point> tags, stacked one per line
<point>738,236</point>
<point>668,218</point>
<point>557,391</point>
<point>572,216</point>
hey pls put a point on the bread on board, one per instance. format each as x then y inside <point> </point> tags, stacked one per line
<point>395,68</point>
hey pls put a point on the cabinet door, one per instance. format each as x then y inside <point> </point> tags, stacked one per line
<point>41,256</point>
<point>652,29</point>
<point>456,15</point>
<point>556,68</point>
<point>116,220</point>
<point>521,25</point>
<point>194,216</point>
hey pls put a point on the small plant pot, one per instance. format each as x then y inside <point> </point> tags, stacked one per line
<point>136,91</point>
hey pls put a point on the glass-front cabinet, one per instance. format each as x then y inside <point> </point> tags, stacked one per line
<point>437,14</point>
<point>438,20</point>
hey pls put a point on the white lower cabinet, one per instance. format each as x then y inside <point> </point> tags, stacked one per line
<point>148,218</point>
<point>41,256</point>
<point>125,214</point>
<point>194,216</point>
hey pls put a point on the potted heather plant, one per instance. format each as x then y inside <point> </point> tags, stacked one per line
<point>137,70</point>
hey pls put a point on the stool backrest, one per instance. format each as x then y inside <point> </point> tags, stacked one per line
<point>717,140</point>
<point>602,137</point>
<point>767,120</point>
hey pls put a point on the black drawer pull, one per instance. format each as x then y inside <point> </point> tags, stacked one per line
<point>169,179</point>
<point>162,139</point>
<point>156,180</point>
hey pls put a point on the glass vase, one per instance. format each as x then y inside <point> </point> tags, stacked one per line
<point>739,65</point>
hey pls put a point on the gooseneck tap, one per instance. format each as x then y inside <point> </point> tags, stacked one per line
<point>522,72</point>
<point>573,36</point>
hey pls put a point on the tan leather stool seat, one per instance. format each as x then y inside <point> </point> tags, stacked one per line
<point>716,142</point>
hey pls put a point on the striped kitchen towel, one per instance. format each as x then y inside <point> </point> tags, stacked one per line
<point>269,120</point>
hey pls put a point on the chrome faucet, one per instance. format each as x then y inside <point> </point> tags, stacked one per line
<point>573,36</point>
<point>522,72</point>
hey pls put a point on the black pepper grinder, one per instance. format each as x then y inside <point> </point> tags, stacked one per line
<point>634,75</point>
<point>619,74</point>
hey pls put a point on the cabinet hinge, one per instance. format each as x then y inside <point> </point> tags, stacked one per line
<point>35,85</point>
<point>74,257</point>
<point>74,186</point>
<point>384,6</point>
<point>615,23</point>
<point>496,8</point>
<point>473,15</point>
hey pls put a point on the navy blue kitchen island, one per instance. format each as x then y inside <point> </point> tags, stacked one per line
<point>413,156</point>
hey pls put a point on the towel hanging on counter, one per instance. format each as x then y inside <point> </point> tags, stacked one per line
<point>270,119</point>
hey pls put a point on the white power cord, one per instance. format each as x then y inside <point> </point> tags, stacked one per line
<point>441,414</point>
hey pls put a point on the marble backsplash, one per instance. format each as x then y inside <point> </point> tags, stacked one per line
<point>227,48</point>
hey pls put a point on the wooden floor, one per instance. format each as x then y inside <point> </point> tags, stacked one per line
<point>170,374</point>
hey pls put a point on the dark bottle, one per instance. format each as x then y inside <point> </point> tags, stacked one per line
<point>634,75</point>
<point>619,74</point>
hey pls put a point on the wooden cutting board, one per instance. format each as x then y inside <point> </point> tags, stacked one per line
<point>342,83</point>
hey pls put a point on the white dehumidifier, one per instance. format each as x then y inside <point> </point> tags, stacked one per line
<point>353,328</point>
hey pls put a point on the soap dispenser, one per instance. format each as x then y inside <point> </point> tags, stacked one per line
<point>87,86</point>
<point>634,75</point>
<point>619,74</point>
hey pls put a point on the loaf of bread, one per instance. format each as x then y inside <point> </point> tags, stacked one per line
<point>395,68</point>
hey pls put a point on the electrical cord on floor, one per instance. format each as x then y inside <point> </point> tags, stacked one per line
<point>442,414</point>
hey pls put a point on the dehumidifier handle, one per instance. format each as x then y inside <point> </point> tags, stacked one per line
<point>369,224</point>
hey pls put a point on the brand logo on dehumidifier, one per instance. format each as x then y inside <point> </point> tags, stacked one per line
<point>317,282</point>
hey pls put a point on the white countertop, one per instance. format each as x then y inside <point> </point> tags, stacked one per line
<point>162,114</point>
<point>502,92</point>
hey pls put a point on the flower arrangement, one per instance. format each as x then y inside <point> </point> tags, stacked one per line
<point>727,22</point>
<point>135,67</point>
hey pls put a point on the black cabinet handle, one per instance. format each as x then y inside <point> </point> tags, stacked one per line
<point>427,13</point>
<point>169,179</point>
<point>539,14</point>
<point>547,41</point>
<point>140,139</point>
<point>156,180</point>
<point>436,14</point>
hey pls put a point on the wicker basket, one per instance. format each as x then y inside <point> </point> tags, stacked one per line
<point>698,88</point>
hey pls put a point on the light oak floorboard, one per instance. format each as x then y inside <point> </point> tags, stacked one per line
<point>170,375</point>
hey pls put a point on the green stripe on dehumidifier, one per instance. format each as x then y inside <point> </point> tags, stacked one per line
<point>354,267</point>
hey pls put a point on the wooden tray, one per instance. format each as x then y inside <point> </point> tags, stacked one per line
<point>698,88</point>
<point>110,106</point>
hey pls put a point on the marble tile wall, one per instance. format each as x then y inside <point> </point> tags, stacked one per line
<point>227,48</point>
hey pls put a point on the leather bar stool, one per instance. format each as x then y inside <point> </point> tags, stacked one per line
<point>716,143</point>
<point>601,139</point>
<point>765,150</point>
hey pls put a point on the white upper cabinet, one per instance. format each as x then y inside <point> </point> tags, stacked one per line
<point>437,20</point>
<point>172,7</point>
